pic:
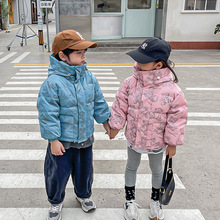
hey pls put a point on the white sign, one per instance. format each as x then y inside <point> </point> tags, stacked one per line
<point>45,4</point>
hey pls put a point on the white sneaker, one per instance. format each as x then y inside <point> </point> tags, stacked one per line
<point>156,212</point>
<point>87,204</point>
<point>55,212</point>
<point>131,210</point>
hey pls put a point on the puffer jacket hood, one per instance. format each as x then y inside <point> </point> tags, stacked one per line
<point>68,102</point>
<point>63,69</point>
<point>152,77</point>
<point>154,108</point>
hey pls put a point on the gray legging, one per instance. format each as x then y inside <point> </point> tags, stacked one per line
<point>133,162</point>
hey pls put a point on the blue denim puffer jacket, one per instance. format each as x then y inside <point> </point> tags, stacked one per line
<point>68,102</point>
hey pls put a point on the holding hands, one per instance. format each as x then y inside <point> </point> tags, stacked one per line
<point>109,131</point>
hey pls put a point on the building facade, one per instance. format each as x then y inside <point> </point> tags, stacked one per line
<point>184,23</point>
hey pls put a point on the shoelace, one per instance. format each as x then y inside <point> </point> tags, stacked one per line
<point>55,208</point>
<point>133,205</point>
<point>158,207</point>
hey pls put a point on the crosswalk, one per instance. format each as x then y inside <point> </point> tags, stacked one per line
<point>11,55</point>
<point>19,124</point>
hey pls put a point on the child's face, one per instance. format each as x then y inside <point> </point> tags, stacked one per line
<point>150,66</point>
<point>75,58</point>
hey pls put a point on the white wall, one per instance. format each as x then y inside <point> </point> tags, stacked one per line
<point>186,27</point>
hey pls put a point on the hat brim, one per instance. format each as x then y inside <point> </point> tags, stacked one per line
<point>82,45</point>
<point>140,57</point>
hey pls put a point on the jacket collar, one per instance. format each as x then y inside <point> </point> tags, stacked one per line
<point>152,77</point>
<point>61,68</point>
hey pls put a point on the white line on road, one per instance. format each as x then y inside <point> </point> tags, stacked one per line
<point>25,70</point>
<point>32,95</point>
<point>18,113</point>
<point>36,136</point>
<point>28,77</point>
<point>21,57</point>
<point>18,103</point>
<point>44,77</point>
<point>37,88</point>
<point>100,69</point>
<point>31,73</point>
<point>40,154</point>
<point>46,73</point>
<point>203,114</point>
<point>107,213</point>
<point>24,83</point>
<point>7,57</point>
<point>203,89</point>
<point>22,103</point>
<point>1,53</point>
<point>101,181</point>
<point>190,114</point>
<point>35,121</point>
<point>40,82</point>
<point>204,123</point>
<point>197,66</point>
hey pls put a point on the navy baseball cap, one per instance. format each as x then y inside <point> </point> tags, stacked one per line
<point>151,50</point>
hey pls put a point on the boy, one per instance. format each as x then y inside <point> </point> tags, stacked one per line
<point>69,100</point>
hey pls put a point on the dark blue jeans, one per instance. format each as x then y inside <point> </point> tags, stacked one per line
<point>57,170</point>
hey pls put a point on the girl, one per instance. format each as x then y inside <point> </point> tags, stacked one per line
<point>155,110</point>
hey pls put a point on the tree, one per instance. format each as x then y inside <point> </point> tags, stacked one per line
<point>217,29</point>
<point>5,12</point>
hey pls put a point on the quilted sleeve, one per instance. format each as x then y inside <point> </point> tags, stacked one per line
<point>119,108</point>
<point>48,108</point>
<point>176,121</point>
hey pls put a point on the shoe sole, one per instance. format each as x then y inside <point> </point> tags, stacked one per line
<point>130,219</point>
<point>155,218</point>
<point>58,219</point>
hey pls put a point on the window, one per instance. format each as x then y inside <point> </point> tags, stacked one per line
<point>139,4</point>
<point>102,6</point>
<point>200,5</point>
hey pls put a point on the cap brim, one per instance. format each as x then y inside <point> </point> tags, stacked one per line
<point>82,45</point>
<point>140,57</point>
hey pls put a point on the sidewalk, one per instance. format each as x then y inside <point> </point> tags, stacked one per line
<point>116,45</point>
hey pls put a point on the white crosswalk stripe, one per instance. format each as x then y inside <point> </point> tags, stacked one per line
<point>12,93</point>
<point>108,213</point>
<point>37,88</point>
<point>20,58</point>
<point>100,154</point>
<point>7,57</point>
<point>104,181</point>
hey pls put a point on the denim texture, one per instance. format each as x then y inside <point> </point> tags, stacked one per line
<point>57,169</point>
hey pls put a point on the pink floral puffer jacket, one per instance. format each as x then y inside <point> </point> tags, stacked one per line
<point>153,106</point>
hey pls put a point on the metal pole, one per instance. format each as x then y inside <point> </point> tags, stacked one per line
<point>24,25</point>
<point>163,32</point>
<point>48,40</point>
<point>40,27</point>
<point>57,16</point>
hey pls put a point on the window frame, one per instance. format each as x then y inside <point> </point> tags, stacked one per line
<point>205,11</point>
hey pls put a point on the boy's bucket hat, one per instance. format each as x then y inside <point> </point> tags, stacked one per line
<point>151,50</point>
<point>70,39</point>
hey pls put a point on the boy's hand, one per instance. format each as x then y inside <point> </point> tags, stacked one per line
<point>171,150</point>
<point>57,148</point>
<point>107,128</point>
<point>113,133</point>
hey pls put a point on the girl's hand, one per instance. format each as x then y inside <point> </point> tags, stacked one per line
<point>57,148</point>
<point>107,128</point>
<point>113,133</point>
<point>171,150</point>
